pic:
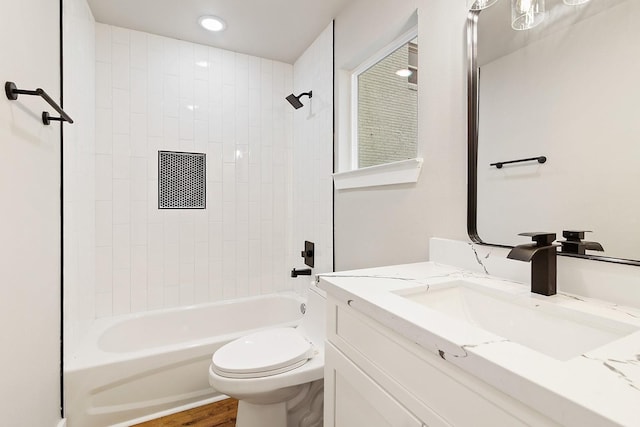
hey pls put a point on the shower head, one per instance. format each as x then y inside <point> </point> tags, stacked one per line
<point>295,100</point>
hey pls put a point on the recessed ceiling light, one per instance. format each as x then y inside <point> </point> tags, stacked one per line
<point>212,23</point>
<point>404,72</point>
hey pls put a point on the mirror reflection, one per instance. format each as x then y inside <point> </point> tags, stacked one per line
<point>567,90</point>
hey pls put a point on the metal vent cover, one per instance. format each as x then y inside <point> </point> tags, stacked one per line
<point>181,180</point>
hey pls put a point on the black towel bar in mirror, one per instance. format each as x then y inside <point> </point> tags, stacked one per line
<point>540,159</point>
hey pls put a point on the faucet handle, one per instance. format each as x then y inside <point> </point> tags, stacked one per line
<point>541,238</point>
<point>574,235</point>
<point>575,245</point>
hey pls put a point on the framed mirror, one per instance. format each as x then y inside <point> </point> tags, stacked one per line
<point>566,90</point>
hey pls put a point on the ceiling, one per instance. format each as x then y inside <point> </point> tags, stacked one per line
<point>273,29</point>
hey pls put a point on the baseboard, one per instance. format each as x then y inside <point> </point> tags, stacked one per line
<point>62,423</point>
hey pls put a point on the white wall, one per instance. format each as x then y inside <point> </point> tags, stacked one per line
<point>155,93</point>
<point>312,214</point>
<point>391,225</point>
<point>30,218</point>
<point>79,170</point>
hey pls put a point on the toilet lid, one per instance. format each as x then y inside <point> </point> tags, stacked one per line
<point>261,354</point>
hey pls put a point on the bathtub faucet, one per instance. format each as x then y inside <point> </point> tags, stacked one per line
<point>301,272</point>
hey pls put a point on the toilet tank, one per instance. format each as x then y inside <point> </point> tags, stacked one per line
<point>313,322</point>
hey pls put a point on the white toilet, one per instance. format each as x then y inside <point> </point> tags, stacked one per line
<point>276,374</point>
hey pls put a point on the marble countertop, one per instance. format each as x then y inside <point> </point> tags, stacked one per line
<point>600,387</point>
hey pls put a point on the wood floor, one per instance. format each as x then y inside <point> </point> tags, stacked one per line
<point>217,414</point>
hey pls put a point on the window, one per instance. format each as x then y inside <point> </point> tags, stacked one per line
<point>385,105</point>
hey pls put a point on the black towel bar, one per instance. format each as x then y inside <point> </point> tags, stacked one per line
<point>12,93</point>
<point>540,159</point>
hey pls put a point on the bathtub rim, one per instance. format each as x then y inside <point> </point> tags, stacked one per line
<point>87,353</point>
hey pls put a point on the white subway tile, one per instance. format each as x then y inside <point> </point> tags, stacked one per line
<point>104,269</point>
<point>139,190</point>
<point>138,90</point>
<point>103,42</point>
<point>228,67</point>
<point>202,293</point>
<point>139,299</point>
<point>119,35</point>
<point>103,177</point>
<point>215,280</point>
<point>121,292</point>
<point>214,162</point>
<point>139,49</point>
<point>121,211</point>
<point>104,304</point>
<point>171,56</point>
<point>139,267</point>
<point>155,298</point>
<point>120,66</point>
<point>242,202</point>
<point>171,133</point>
<point>171,96</point>
<point>172,296</point>
<point>121,247</point>
<point>139,233</point>
<point>201,62</point>
<point>154,117</point>
<point>216,237</point>
<point>121,111</point>
<point>103,82</point>
<point>186,119</point>
<point>121,167</point>
<point>121,145</point>
<point>201,136</point>
<point>104,223</point>
<point>104,131</point>
<point>171,264</point>
<point>138,138</point>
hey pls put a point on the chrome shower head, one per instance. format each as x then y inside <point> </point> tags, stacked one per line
<point>295,100</point>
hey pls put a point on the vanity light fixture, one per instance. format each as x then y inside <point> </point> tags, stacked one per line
<point>212,23</point>
<point>404,72</point>
<point>526,14</point>
<point>480,4</point>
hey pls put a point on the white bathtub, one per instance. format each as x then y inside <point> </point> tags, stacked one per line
<point>137,365</point>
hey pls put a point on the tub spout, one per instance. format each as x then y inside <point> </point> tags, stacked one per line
<point>301,272</point>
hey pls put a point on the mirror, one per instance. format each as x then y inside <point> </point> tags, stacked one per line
<point>567,90</point>
<point>385,97</point>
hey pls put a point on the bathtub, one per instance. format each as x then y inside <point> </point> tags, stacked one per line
<point>134,366</point>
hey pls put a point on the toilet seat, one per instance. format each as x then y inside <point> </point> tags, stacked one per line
<point>262,354</point>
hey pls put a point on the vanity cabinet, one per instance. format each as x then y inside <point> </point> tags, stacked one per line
<point>376,377</point>
<point>358,400</point>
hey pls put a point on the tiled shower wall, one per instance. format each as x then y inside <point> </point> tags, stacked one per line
<point>313,154</point>
<point>79,169</point>
<point>155,93</point>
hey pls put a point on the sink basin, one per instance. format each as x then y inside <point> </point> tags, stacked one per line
<point>556,331</point>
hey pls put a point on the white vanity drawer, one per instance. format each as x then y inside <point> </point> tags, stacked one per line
<point>357,400</point>
<point>423,382</point>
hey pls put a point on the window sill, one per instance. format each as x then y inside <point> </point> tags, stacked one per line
<point>402,172</point>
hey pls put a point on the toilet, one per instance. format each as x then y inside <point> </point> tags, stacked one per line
<point>276,374</point>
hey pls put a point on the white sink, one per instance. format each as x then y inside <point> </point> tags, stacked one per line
<point>556,331</point>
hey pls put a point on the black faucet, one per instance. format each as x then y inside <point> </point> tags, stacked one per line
<point>301,272</point>
<point>575,245</point>
<point>542,255</point>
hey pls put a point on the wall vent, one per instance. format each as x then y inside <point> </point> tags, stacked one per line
<point>181,180</point>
